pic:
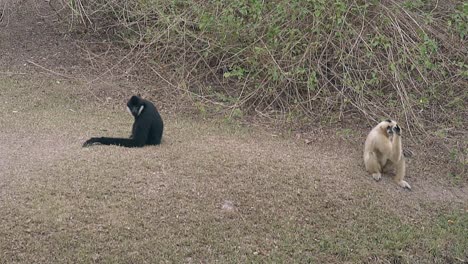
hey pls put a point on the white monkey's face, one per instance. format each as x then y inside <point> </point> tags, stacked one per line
<point>390,130</point>
<point>387,126</point>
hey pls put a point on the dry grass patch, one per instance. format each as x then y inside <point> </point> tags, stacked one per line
<point>289,201</point>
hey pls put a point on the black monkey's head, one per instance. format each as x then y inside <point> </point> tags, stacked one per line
<point>135,106</point>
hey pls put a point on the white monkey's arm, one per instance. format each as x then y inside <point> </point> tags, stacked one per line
<point>397,152</point>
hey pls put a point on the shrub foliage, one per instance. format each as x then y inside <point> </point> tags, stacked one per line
<point>390,58</point>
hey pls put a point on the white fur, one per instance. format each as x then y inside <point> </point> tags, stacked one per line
<point>141,109</point>
<point>404,184</point>
<point>377,176</point>
<point>383,153</point>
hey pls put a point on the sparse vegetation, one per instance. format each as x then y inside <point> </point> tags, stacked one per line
<point>404,59</point>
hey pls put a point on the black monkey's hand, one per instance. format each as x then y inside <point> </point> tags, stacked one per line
<point>90,142</point>
<point>397,130</point>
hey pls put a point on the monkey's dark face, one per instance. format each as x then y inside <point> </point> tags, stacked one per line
<point>390,130</point>
<point>393,129</point>
<point>135,110</point>
<point>135,106</point>
<point>387,126</point>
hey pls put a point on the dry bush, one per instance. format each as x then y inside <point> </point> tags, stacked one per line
<point>322,59</point>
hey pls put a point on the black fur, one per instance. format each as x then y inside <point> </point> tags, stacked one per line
<point>146,130</point>
<point>388,120</point>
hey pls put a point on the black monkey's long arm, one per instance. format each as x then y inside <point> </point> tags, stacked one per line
<point>124,142</point>
<point>139,138</point>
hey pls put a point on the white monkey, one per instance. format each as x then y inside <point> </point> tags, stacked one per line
<point>383,152</point>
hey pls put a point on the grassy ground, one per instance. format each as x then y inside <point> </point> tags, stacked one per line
<point>212,192</point>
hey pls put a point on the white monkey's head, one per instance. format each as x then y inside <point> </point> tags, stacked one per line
<point>387,126</point>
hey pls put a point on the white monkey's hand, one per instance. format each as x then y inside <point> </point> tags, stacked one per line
<point>377,176</point>
<point>404,184</point>
<point>397,131</point>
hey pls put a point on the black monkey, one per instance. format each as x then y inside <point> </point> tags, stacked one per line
<point>147,128</point>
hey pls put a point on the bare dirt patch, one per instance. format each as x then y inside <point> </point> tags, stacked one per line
<point>29,33</point>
